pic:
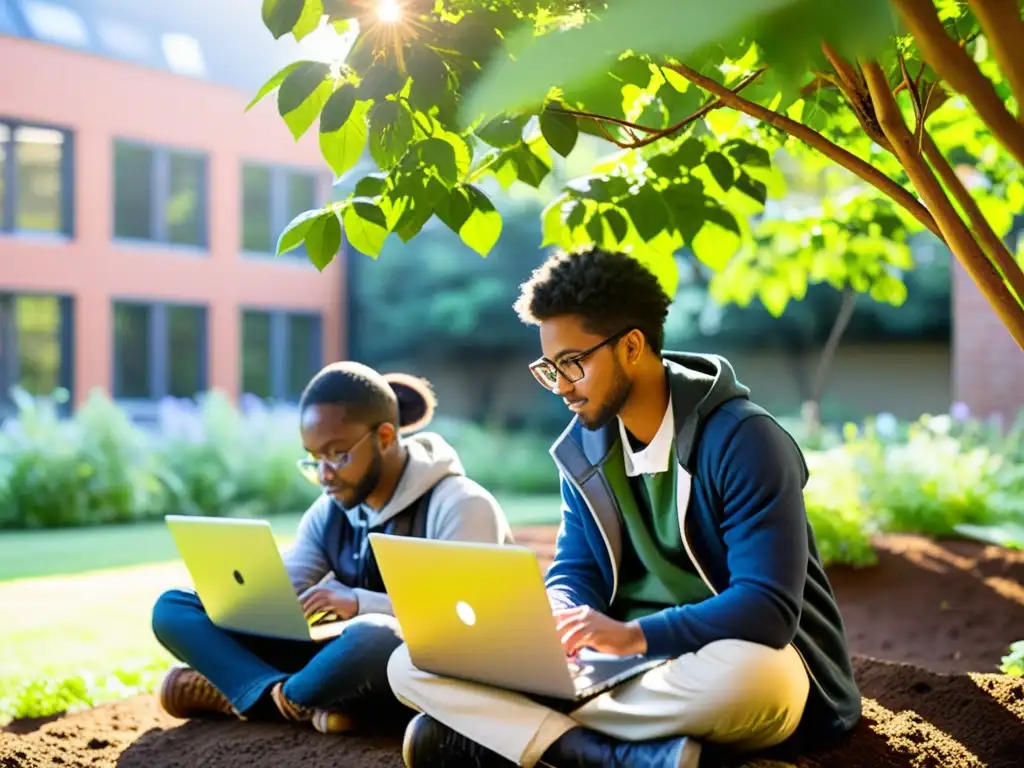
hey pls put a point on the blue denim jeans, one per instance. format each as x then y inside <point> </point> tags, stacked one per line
<point>347,674</point>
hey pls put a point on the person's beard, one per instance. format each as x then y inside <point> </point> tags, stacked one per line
<point>356,494</point>
<point>621,388</point>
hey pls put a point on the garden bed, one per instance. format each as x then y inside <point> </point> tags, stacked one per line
<point>950,608</point>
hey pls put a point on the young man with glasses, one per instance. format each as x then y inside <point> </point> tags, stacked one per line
<point>683,536</point>
<point>374,480</point>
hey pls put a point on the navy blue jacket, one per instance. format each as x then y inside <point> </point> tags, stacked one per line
<point>744,527</point>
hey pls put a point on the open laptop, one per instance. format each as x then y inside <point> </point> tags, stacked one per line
<point>480,612</point>
<point>241,580</point>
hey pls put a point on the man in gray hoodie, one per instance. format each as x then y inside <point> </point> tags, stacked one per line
<point>375,480</point>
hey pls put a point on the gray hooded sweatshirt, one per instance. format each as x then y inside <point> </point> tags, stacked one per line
<point>459,510</point>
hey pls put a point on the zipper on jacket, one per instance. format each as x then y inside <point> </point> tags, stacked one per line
<point>707,582</point>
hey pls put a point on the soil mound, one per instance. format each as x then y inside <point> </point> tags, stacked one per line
<point>912,717</point>
<point>943,613</point>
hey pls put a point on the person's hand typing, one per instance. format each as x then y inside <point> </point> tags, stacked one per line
<point>583,627</point>
<point>332,597</point>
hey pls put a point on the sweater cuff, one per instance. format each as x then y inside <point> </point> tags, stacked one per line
<point>372,602</point>
<point>658,633</point>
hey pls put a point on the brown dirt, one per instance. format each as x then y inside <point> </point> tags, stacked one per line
<point>951,606</point>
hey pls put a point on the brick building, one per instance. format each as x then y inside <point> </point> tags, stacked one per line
<point>141,205</point>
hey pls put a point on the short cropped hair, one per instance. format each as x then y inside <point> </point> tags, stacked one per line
<point>609,291</point>
<point>400,399</point>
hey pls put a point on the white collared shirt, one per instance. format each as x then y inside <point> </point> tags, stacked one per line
<point>655,457</point>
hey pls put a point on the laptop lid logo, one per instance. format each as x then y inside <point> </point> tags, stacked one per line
<point>466,614</point>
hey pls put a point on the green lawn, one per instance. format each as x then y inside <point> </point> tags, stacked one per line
<point>67,551</point>
<point>75,607</point>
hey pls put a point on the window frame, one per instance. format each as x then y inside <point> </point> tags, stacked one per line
<point>10,369</point>
<point>159,191</point>
<point>280,342</point>
<point>158,344</point>
<point>9,207</point>
<point>277,214</point>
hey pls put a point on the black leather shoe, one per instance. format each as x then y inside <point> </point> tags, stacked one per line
<point>429,744</point>
<point>584,748</point>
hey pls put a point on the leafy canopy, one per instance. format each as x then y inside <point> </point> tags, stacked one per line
<point>454,99</point>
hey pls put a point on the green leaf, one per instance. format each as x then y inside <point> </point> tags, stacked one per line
<point>560,130</point>
<point>273,83</point>
<point>343,148</point>
<point>280,16</point>
<point>774,295</point>
<point>380,81</point>
<point>503,131</point>
<point>295,231</point>
<point>312,11</point>
<point>721,169</point>
<point>391,130</point>
<point>715,245</point>
<point>323,240</point>
<point>752,188</point>
<point>690,153</point>
<point>302,95</point>
<point>482,228</point>
<point>439,155</point>
<point>747,154</point>
<point>998,214</point>
<point>371,185</point>
<point>722,218</point>
<point>617,224</point>
<point>567,58</point>
<point>531,168</point>
<point>648,212</point>
<point>430,84</point>
<point>338,109</point>
<point>365,226</point>
<point>455,209</point>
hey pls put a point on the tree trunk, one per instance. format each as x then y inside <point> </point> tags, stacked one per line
<point>954,231</point>
<point>812,408</point>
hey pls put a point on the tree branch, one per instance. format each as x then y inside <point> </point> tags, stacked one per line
<point>953,65</point>
<point>847,159</point>
<point>835,336</point>
<point>1001,22</point>
<point>992,243</point>
<point>852,84</point>
<point>955,232</point>
<point>654,134</point>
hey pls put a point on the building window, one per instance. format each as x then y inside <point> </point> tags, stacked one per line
<point>160,194</point>
<point>56,23</point>
<point>35,178</point>
<point>281,351</point>
<point>35,345</point>
<point>159,350</point>
<point>272,197</point>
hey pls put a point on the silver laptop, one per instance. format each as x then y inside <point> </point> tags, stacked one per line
<point>480,612</point>
<point>240,578</point>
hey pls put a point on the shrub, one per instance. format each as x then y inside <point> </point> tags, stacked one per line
<point>836,510</point>
<point>94,468</point>
<point>516,462</point>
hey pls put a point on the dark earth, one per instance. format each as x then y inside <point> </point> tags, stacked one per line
<point>928,626</point>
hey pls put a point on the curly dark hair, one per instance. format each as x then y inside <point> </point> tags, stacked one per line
<point>406,401</point>
<point>610,291</point>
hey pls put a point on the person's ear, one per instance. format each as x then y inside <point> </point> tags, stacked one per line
<point>386,435</point>
<point>635,343</point>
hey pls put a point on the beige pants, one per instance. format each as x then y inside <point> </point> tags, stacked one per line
<point>730,692</point>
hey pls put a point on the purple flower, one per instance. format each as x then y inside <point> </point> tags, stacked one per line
<point>960,411</point>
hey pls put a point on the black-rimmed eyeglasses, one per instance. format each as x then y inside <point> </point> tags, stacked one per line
<point>547,371</point>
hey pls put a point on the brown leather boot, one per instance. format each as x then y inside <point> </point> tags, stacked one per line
<point>324,720</point>
<point>184,693</point>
